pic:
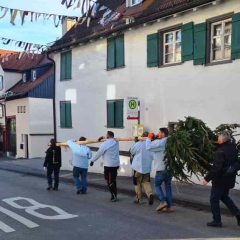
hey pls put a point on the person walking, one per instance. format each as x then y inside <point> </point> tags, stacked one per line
<point>109,150</point>
<point>157,146</point>
<point>142,165</point>
<point>226,155</point>
<point>81,154</point>
<point>53,163</point>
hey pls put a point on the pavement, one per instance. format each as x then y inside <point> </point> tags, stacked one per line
<point>29,211</point>
<point>187,195</point>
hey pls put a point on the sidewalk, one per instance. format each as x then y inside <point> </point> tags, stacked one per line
<point>194,196</point>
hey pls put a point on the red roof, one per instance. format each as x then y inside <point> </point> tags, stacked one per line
<point>27,61</point>
<point>4,52</point>
<point>22,88</point>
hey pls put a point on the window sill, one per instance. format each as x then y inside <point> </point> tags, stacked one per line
<point>111,69</point>
<point>115,127</point>
<point>218,63</point>
<point>66,127</point>
<point>66,79</point>
<point>170,65</point>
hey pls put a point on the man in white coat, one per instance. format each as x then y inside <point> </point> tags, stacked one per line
<point>109,151</point>
<point>142,165</point>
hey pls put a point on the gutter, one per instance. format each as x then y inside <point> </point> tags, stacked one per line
<point>54,95</point>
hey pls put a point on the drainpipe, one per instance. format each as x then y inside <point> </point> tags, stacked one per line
<point>54,95</point>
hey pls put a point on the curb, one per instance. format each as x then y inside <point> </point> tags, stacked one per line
<point>178,201</point>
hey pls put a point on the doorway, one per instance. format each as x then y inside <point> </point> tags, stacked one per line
<point>26,145</point>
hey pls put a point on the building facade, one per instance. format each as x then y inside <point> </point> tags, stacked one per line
<point>185,61</point>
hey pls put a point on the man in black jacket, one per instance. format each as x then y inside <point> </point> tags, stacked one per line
<point>226,155</point>
<point>53,163</point>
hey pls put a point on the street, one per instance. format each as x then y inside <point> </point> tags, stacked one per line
<point>92,216</point>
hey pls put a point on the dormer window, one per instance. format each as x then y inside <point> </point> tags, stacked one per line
<point>131,3</point>
<point>34,76</point>
<point>1,82</point>
<point>24,77</point>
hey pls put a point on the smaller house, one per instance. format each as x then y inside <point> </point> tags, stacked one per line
<point>28,112</point>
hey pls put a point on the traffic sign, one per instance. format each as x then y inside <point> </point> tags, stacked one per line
<point>132,110</point>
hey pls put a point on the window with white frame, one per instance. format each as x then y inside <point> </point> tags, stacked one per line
<point>131,3</point>
<point>1,82</point>
<point>172,47</point>
<point>34,75</point>
<point>24,77</point>
<point>221,40</point>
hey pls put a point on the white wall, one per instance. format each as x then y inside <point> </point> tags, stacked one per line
<point>10,79</point>
<point>40,116</point>
<point>166,94</point>
<point>2,120</point>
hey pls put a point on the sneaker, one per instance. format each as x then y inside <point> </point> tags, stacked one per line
<point>168,210</point>
<point>113,198</point>
<point>84,192</point>
<point>151,199</point>
<point>137,201</point>
<point>78,191</point>
<point>49,188</point>
<point>55,189</point>
<point>161,206</point>
<point>214,224</point>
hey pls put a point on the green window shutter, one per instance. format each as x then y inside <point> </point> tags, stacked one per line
<point>63,66</point>
<point>120,51</point>
<point>119,114</point>
<point>110,114</point>
<point>152,50</point>
<point>235,36</point>
<point>200,33</point>
<point>68,115</point>
<point>187,42</point>
<point>68,65</point>
<point>62,114</point>
<point>111,54</point>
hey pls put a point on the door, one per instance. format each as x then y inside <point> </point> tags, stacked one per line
<point>26,146</point>
<point>11,136</point>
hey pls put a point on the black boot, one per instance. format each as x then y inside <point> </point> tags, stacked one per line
<point>214,224</point>
<point>49,187</point>
<point>55,189</point>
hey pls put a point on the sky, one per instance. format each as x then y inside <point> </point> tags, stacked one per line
<point>40,32</point>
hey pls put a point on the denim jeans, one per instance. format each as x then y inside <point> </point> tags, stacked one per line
<point>218,194</point>
<point>50,171</point>
<point>162,176</point>
<point>80,185</point>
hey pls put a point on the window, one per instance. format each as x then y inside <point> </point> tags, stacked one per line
<point>24,109</point>
<point>65,114</point>
<point>115,52</point>
<point>1,111</point>
<point>1,82</point>
<point>115,113</point>
<point>24,77</point>
<point>221,38</point>
<point>130,3</point>
<point>34,75</point>
<point>172,47</point>
<point>172,126</point>
<point>66,65</point>
<point>18,109</point>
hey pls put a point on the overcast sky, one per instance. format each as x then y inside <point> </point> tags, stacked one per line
<point>40,32</point>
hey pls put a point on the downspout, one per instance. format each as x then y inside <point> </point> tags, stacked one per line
<point>54,95</point>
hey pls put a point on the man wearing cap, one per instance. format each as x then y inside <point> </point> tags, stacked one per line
<point>80,160</point>
<point>109,151</point>
<point>158,148</point>
<point>142,164</point>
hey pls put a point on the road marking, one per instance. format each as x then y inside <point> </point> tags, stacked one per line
<point>5,228</point>
<point>19,218</point>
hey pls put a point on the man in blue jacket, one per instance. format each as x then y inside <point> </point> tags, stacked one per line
<point>158,148</point>
<point>80,159</point>
<point>109,151</point>
<point>142,165</point>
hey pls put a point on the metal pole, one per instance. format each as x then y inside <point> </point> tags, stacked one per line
<point>138,112</point>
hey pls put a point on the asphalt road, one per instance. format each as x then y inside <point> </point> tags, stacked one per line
<point>24,215</point>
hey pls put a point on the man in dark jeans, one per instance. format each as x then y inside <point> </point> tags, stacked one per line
<point>109,151</point>
<point>226,155</point>
<point>53,163</point>
<point>81,156</point>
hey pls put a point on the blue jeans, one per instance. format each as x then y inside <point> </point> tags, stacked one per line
<point>80,185</point>
<point>218,194</point>
<point>162,176</point>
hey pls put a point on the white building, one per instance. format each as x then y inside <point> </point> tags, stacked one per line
<point>181,60</point>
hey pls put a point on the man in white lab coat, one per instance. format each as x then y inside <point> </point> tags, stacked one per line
<point>142,165</point>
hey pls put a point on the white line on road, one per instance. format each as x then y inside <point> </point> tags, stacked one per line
<point>5,228</point>
<point>19,218</point>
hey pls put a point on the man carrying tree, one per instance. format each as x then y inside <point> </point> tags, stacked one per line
<point>226,156</point>
<point>109,151</point>
<point>158,148</point>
